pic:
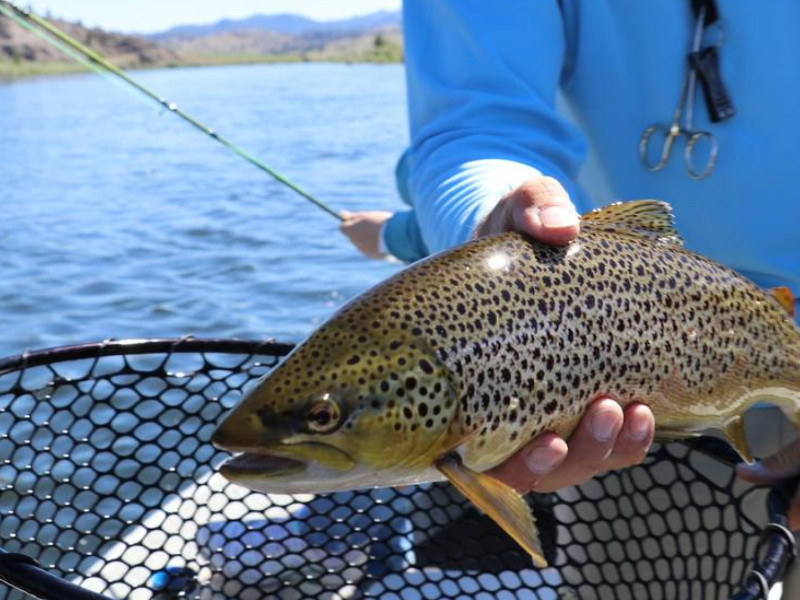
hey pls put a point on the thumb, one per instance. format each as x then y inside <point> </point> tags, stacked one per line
<point>542,208</point>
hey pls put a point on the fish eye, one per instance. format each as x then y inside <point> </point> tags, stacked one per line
<point>323,416</point>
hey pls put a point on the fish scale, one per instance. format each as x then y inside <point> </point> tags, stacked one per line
<point>449,367</point>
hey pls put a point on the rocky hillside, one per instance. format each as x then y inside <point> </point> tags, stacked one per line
<point>21,51</point>
<point>373,38</point>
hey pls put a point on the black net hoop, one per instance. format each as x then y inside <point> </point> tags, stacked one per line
<point>109,489</point>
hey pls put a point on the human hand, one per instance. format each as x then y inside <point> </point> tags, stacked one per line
<point>363,229</point>
<point>770,471</point>
<point>607,437</point>
<point>539,207</point>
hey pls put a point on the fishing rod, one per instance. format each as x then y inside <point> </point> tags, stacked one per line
<point>99,64</point>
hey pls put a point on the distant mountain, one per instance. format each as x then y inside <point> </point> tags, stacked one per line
<point>375,37</point>
<point>286,24</point>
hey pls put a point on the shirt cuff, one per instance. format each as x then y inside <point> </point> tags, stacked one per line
<point>382,247</point>
<point>401,237</point>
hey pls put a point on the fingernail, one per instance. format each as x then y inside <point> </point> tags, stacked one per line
<point>603,425</point>
<point>557,217</point>
<point>543,460</point>
<point>639,429</point>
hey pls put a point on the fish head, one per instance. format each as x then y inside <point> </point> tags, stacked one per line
<point>347,409</point>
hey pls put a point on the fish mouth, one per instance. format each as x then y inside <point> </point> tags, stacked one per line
<point>285,460</point>
<point>260,465</point>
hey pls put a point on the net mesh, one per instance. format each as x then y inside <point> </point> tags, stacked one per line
<point>108,479</point>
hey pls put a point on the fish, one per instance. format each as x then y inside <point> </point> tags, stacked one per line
<point>447,368</point>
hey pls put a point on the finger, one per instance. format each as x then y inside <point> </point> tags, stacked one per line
<point>634,438</point>
<point>346,215</point>
<point>525,468</point>
<point>781,465</point>
<point>589,447</point>
<point>541,207</point>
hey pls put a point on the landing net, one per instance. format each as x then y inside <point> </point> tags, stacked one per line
<point>108,481</point>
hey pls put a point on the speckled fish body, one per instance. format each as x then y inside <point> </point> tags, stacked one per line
<point>474,352</point>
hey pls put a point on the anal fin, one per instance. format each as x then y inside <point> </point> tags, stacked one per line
<point>734,433</point>
<point>502,503</point>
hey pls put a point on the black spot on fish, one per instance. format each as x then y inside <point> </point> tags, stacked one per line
<point>542,306</point>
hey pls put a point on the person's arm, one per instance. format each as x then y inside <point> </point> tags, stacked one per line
<point>482,80</point>
<point>377,233</point>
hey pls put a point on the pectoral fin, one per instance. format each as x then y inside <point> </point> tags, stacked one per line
<point>504,505</point>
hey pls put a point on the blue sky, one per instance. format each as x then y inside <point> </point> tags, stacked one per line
<point>155,15</point>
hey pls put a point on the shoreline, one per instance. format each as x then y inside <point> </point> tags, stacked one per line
<point>10,71</point>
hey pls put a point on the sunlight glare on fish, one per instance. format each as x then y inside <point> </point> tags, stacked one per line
<point>573,248</point>
<point>498,262</point>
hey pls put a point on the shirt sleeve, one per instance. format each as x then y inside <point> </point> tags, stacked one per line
<point>482,83</point>
<point>401,237</point>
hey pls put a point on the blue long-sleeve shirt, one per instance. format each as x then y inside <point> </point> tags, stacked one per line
<point>483,79</point>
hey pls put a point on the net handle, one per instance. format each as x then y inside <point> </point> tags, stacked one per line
<point>780,543</point>
<point>27,575</point>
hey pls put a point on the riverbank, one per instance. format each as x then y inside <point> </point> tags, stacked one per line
<point>18,70</point>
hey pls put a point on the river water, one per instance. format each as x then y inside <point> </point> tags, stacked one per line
<point>118,220</point>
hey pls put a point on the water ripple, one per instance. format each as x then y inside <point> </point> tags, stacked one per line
<point>119,221</point>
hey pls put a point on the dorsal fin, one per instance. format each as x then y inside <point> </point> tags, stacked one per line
<point>651,219</point>
<point>785,298</point>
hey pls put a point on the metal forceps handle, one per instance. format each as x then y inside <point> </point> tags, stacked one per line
<point>669,134</point>
<point>694,138</point>
<point>685,108</point>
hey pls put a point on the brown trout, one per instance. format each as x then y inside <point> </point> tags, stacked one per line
<point>446,369</point>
